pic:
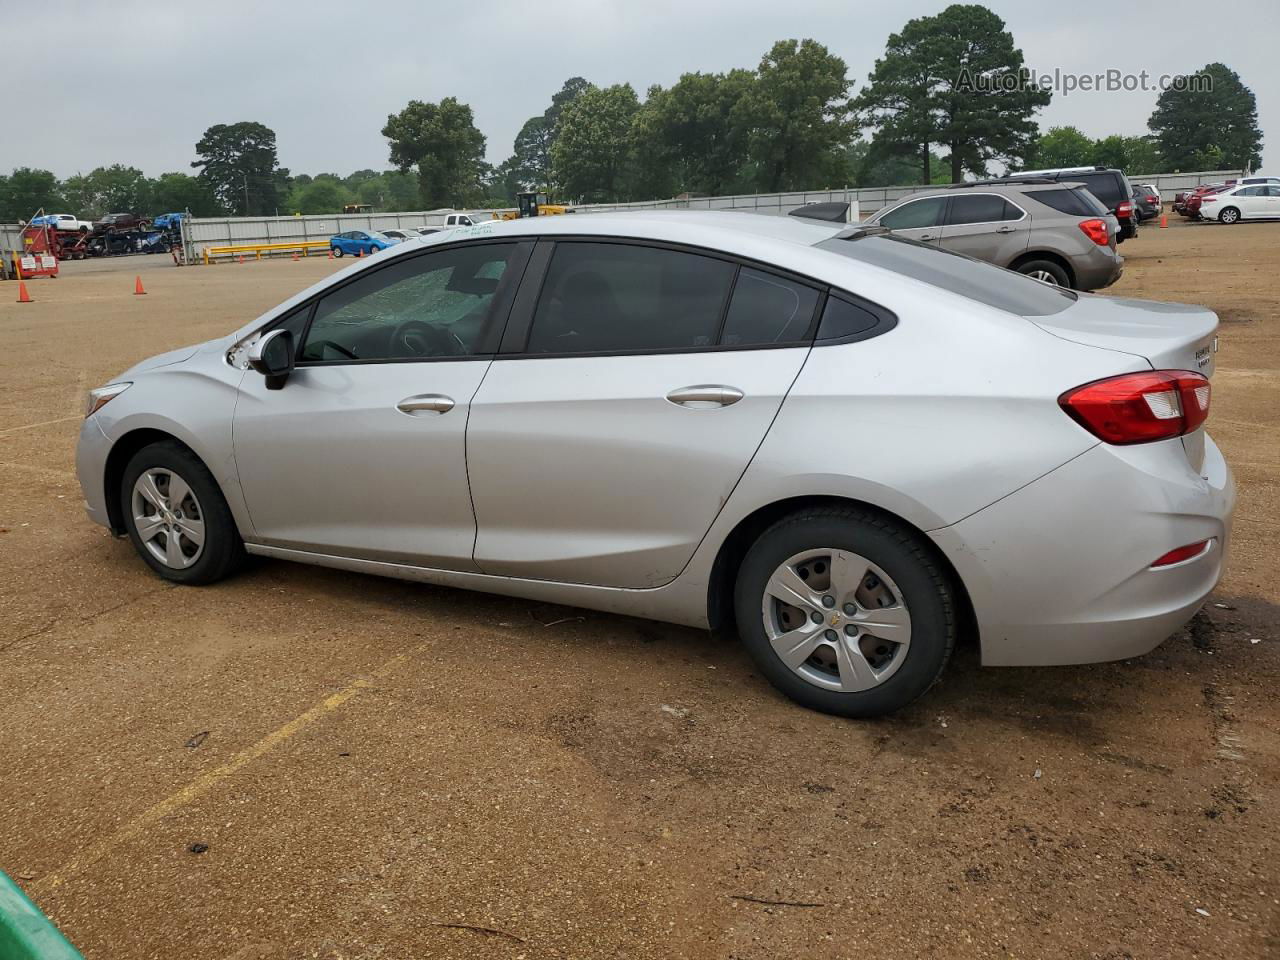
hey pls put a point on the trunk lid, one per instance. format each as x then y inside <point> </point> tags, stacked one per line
<point>1169,336</point>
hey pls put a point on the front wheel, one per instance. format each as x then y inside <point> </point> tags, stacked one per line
<point>1229,215</point>
<point>845,611</point>
<point>336,251</point>
<point>176,516</point>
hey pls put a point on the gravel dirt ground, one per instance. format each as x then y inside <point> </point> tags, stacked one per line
<point>307,763</point>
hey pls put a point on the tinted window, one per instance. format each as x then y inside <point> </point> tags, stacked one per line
<point>1105,186</point>
<point>428,306</point>
<point>1250,192</point>
<point>1273,191</point>
<point>1074,201</point>
<point>1002,289</point>
<point>842,318</point>
<point>981,208</point>
<point>768,309</point>
<point>917,213</point>
<point>605,297</point>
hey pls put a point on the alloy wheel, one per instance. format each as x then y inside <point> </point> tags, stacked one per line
<point>1044,276</point>
<point>168,518</point>
<point>836,619</point>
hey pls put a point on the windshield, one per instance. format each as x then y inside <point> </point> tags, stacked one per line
<point>975,279</point>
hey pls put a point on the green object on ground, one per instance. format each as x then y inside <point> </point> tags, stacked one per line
<point>25,932</point>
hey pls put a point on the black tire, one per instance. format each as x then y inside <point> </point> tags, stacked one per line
<point>1032,267</point>
<point>223,550</point>
<point>1229,215</point>
<point>337,252</point>
<point>902,555</point>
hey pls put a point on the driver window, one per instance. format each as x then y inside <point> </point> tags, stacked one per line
<point>424,307</point>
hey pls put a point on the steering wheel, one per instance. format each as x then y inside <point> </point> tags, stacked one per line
<point>422,339</point>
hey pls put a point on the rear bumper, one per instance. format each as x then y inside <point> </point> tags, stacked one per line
<point>1099,269</point>
<point>1060,571</point>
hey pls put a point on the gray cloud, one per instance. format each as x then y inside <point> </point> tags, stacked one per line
<point>137,83</point>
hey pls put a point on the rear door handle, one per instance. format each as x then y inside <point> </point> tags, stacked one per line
<point>703,396</point>
<point>1005,230</point>
<point>425,403</point>
<point>926,236</point>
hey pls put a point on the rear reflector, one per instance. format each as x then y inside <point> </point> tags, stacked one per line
<point>1140,407</point>
<point>1183,553</point>
<point>1096,230</point>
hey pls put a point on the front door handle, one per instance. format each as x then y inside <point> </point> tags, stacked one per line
<point>425,403</point>
<point>926,236</point>
<point>703,396</point>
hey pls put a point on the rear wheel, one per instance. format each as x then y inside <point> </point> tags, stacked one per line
<point>176,516</point>
<point>845,611</point>
<point>1229,215</point>
<point>1046,271</point>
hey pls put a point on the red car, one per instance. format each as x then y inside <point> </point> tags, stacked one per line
<point>1192,203</point>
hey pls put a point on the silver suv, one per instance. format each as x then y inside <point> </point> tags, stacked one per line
<point>1056,232</point>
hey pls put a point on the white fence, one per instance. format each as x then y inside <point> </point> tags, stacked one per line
<point>223,231</point>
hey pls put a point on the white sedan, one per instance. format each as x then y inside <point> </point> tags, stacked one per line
<point>1257,201</point>
<point>850,447</point>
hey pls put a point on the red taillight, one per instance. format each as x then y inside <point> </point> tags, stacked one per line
<point>1124,209</point>
<point>1140,407</point>
<point>1153,199</point>
<point>1096,230</point>
<point>1183,553</point>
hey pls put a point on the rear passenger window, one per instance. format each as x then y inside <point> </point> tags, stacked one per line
<point>981,208</point>
<point>606,297</point>
<point>917,213</point>
<point>1075,202</point>
<point>767,309</point>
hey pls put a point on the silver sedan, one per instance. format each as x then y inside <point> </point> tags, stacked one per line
<point>852,448</point>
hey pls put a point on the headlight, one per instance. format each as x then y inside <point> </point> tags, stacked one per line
<point>99,397</point>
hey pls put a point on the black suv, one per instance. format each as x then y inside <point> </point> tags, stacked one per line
<point>1109,185</point>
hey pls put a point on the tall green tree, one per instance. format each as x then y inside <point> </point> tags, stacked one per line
<point>592,154</point>
<point>26,190</point>
<point>177,192</point>
<point>955,79</point>
<point>1061,147</point>
<point>881,163</point>
<point>798,117</point>
<point>695,132</point>
<point>238,164</point>
<point>441,143</point>
<point>1200,129</point>
<point>532,150</point>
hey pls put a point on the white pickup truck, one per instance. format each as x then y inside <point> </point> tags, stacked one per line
<point>62,221</point>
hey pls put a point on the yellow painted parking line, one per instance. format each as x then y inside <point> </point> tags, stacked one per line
<point>207,781</point>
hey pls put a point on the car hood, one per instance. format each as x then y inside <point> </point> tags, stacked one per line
<point>161,360</point>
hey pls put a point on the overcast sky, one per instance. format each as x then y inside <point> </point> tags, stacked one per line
<point>138,82</point>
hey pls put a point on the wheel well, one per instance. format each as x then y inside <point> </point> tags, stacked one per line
<point>121,453</point>
<point>724,571</point>
<point>1051,257</point>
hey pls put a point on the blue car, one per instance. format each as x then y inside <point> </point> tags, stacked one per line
<point>359,242</point>
<point>168,221</point>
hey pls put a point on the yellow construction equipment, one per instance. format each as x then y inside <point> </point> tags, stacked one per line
<point>534,205</point>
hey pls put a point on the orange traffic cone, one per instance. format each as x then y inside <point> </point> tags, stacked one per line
<point>359,254</point>
<point>137,286</point>
<point>295,255</point>
<point>242,259</point>
<point>1164,221</point>
<point>331,253</point>
<point>23,296</point>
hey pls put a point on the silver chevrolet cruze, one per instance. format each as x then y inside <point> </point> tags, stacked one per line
<point>850,447</point>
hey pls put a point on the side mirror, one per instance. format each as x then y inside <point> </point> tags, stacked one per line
<point>272,356</point>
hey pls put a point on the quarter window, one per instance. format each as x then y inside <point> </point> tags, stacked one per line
<point>918,213</point>
<point>607,297</point>
<point>424,307</point>
<point>768,309</point>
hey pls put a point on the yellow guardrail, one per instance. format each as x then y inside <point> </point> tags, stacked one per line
<point>304,246</point>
